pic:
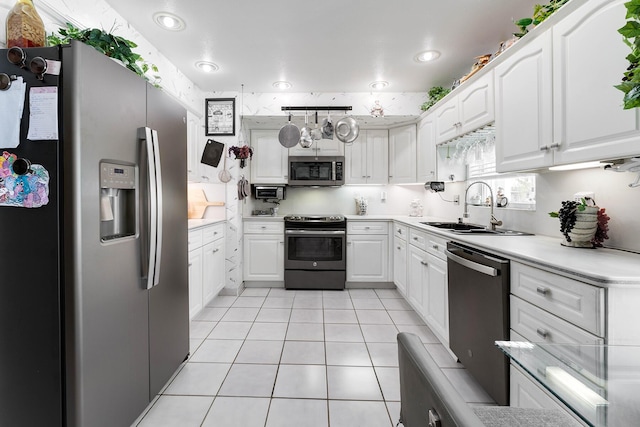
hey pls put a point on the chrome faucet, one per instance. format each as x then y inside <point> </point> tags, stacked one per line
<point>493,220</point>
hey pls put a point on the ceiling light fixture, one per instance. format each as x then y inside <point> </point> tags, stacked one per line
<point>282,85</point>
<point>379,84</point>
<point>427,55</point>
<point>207,66</point>
<point>169,21</point>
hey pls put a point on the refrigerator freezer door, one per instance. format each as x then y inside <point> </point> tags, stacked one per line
<point>107,318</point>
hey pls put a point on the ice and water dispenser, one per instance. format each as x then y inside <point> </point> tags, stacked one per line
<point>117,201</point>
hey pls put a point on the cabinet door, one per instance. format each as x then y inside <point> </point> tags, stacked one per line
<point>417,278</point>
<point>355,156</point>
<point>263,257</point>
<point>208,272</point>
<point>323,147</point>
<point>377,157</point>
<point>402,155</point>
<point>589,121</point>
<point>400,264</point>
<point>219,272</point>
<point>426,150</point>
<point>195,282</point>
<point>269,164</point>
<point>447,120</point>
<point>437,298</point>
<point>368,258</point>
<point>524,107</point>
<point>476,106</point>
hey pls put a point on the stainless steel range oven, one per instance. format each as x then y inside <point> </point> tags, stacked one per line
<point>315,252</point>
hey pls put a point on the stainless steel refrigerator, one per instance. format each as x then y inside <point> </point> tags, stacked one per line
<point>93,247</point>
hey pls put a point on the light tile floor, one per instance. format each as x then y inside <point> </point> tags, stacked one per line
<point>273,358</point>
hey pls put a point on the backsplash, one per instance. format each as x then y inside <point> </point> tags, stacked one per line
<point>611,190</point>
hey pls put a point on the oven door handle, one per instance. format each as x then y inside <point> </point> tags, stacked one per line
<point>319,232</point>
<point>484,269</point>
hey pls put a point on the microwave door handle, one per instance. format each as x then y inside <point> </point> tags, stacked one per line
<point>333,171</point>
<point>149,219</point>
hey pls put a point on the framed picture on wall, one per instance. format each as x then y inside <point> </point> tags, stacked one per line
<point>221,116</point>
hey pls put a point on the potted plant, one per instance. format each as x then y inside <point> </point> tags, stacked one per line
<point>436,93</point>
<point>113,46</point>
<point>582,226</point>
<point>540,13</point>
<point>243,153</point>
<point>630,84</point>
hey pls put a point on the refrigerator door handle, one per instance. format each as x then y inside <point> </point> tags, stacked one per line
<point>159,207</point>
<point>145,134</point>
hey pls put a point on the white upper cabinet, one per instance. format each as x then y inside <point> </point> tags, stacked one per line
<point>321,147</point>
<point>555,97</point>
<point>469,108</point>
<point>589,58</point>
<point>426,149</point>
<point>402,154</point>
<point>367,158</point>
<point>270,159</point>
<point>523,91</point>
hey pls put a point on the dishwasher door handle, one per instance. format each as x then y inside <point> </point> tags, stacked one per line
<point>484,269</point>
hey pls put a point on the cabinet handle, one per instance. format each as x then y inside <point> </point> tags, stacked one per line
<point>398,248</point>
<point>426,264</point>
<point>214,251</point>
<point>542,332</point>
<point>364,176</point>
<point>435,247</point>
<point>190,264</point>
<point>399,230</point>
<point>367,228</point>
<point>542,291</point>
<point>348,243</point>
<point>415,238</point>
<point>554,146</point>
<point>368,176</point>
<point>264,227</point>
<point>544,148</point>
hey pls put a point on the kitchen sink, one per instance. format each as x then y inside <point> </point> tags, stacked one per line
<point>456,226</point>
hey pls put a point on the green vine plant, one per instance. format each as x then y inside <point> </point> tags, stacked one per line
<point>436,93</point>
<point>540,13</point>
<point>631,36</point>
<point>113,46</point>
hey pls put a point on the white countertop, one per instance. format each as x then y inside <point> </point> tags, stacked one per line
<point>600,267</point>
<point>197,223</point>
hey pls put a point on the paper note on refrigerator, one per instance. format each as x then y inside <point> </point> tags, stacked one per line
<point>11,105</point>
<point>43,113</point>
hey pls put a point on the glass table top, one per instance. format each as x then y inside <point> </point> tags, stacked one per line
<point>599,383</point>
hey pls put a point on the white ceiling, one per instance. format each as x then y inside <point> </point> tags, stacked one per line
<point>326,45</point>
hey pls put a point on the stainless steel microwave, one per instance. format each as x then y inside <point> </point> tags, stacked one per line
<point>269,192</point>
<point>312,171</point>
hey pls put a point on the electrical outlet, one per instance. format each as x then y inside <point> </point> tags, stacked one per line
<point>383,196</point>
<point>456,199</point>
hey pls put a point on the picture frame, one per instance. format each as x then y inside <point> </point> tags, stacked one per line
<point>220,116</point>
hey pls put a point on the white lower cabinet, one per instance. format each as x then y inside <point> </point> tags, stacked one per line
<point>368,251</point>
<point>437,301</point>
<point>206,265</point>
<point>263,251</point>
<point>400,258</point>
<point>417,279</point>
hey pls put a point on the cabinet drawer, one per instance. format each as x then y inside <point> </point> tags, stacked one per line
<point>436,246</point>
<point>537,325</point>
<point>400,231</point>
<point>212,233</point>
<point>418,238</point>
<point>194,239</point>
<point>574,301</point>
<point>263,227</point>
<point>367,227</point>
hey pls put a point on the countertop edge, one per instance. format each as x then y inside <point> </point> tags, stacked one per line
<point>193,224</point>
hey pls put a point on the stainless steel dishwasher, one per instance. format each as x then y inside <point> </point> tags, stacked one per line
<point>479,315</point>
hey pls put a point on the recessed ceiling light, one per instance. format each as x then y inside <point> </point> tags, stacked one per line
<point>427,55</point>
<point>169,21</point>
<point>282,85</point>
<point>379,85</point>
<point>207,66</point>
